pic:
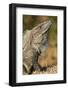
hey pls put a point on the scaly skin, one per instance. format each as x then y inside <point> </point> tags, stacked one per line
<point>35,42</point>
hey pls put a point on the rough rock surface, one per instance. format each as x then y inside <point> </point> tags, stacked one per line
<point>49,70</point>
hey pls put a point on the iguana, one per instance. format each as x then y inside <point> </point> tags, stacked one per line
<point>35,42</point>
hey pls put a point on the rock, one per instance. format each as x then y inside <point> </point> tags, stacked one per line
<point>49,70</point>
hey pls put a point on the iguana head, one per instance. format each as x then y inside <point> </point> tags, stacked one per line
<point>39,35</point>
<point>43,27</point>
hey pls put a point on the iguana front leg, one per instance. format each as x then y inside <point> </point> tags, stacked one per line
<point>36,66</point>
